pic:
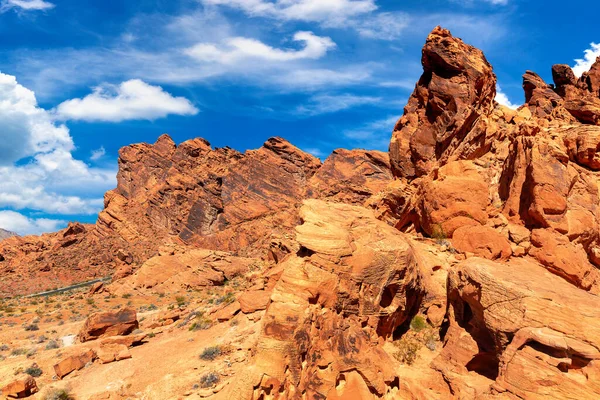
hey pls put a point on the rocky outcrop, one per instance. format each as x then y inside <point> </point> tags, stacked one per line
<point>210,198</point>
<point>188,269</point>
<point>523,333</point>
<point>464,265</point>
<point>355,280</point>
<point>351,176</point>
<point>74,363</point>
<point>191,196</point>
<point>4,234</point>
<point>445,118</point>
<point>38,263</point>
<point>106,324</point>
<point>22,386</point>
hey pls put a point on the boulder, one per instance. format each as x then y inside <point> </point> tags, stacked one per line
<point>458,196</point>
<point>482,241</point>
<point>254,300</point>
<point>127,341</point>
<point>534,334</point>
<point>565,259</point>
<point>228,312</point>
<point>74,363</point>
<point>109,352</point>
<point>21,386</point>
<point>107,324</point>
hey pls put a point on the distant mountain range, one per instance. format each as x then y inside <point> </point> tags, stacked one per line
<point>6,234</point>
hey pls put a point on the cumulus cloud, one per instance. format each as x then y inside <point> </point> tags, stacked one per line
<point>589,58</point>
<point>37,169</point>
<point>98,154</point>
<point>131,100</point>
<point>239,48</point>
<point>18,223</point>
<point>503,99</point>
<point>326,104</point>
<point>26,5</point>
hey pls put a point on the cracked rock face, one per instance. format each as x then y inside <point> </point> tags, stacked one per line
<point>353,283</point>
<point>527,335</point>
<point>462,264</point>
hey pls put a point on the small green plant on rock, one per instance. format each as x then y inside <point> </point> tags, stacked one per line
<point>34,371</point>
<point>210,353</point>
<point>418,323</point>
<point>58,394</point>
<point>209,380</point>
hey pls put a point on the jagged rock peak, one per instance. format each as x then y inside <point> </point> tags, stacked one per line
<point>442,119</point>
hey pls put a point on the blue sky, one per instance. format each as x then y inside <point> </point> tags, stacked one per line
<point>80,79</point>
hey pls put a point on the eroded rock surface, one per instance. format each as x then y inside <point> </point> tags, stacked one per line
<point>463,264</point>
<point>353,283</point>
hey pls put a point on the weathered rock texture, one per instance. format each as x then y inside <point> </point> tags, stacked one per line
<point>463,264</point>
<point>354,282</point>
<point>107,324</point>
<point>192,196</point>
<point>445,116</point>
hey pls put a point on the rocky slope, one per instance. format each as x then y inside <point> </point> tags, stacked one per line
<point>4,234</point>
<point>463,264</point>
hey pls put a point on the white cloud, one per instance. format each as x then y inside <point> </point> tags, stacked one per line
<point>589,58</point>
<point>46,178</point>
<point>325,104</point>
<point>503,99</point>
<point>130,100</point>
<point>327,11</point>
<point>18,223</point>
<point>239,48</point>
<point>27,5</point>
<point>98,154</point>
<point>385,26</point>
<point>374,135</point>
<point>356,14</point>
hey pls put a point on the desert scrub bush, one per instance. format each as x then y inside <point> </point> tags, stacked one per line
<point>437,232</point>
<point>408,348</point>
<point>209,380</point>
<point>58,394</point>
<point>18,352</point>
<point>3,347</point>
<point>90,301</point>
<point>201,323</point>
<point>225,299</point>
<point>181,300</point>
<point>34,371</point>
<point>31,327</point>
<point>126,295</point>
<point>51,345</point>
<point>418,323</point>
<point>210,353</point>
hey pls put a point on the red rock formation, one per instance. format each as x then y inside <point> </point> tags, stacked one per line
<point>22,386</point>
<point>107,324</point>
<point>476,246</point>
<point>354,281</point>
<point>74,363</point>
<point>445,116</point>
